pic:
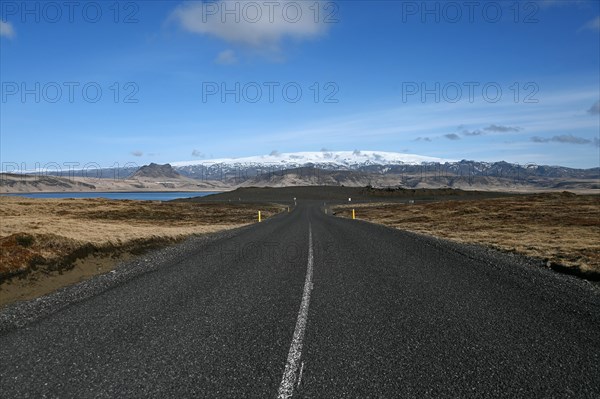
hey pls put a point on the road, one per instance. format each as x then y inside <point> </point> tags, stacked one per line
<point>307,305</point>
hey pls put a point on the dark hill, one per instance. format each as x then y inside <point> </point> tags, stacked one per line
<point>340,194</point>
<point>156,171</point>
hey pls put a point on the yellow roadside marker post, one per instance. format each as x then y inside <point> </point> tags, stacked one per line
<point>259,218</point>
<point>353,215</point>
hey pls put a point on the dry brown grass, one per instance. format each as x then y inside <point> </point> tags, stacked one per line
<point>53,233</point>
<point>560,228</point>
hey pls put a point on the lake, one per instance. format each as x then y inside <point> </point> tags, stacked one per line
<point>140,196</point>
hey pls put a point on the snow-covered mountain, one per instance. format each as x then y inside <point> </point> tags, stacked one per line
<point>364,166</point>
<point>327,160</point>
<point>344,159</point>
<point>373,162</point>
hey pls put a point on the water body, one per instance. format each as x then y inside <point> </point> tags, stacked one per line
<point>140,196</point>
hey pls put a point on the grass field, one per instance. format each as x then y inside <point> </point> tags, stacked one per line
<point>48,243</point>
<point>561,229</point>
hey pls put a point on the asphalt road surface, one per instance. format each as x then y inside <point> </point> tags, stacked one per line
<point>307,305</point>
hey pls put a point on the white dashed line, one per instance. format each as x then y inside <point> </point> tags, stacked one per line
<point>300,376</point>
<point>286,388</point>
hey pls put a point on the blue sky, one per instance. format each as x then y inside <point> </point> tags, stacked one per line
<point>514,81</point>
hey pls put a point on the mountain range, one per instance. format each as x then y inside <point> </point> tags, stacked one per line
<point>381,167</point>
<point>347,168</point>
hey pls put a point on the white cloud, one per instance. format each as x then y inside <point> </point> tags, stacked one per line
<point>6,30</point>
<point>226,57</point>
<point>260,25</point>
<point>594,24</point>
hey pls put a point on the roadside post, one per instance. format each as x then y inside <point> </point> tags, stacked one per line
<point>353,215</point>
<point>259,218</point>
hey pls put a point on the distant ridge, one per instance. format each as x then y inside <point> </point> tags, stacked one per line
<point>325,168</point>
<point>156,171</point>
<point>380,163</point>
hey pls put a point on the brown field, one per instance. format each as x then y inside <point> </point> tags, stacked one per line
<point>561,229</point>
<point>49,243</point>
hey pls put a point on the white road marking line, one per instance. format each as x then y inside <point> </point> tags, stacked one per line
<point>286,388</point>
<point>300,375</point>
